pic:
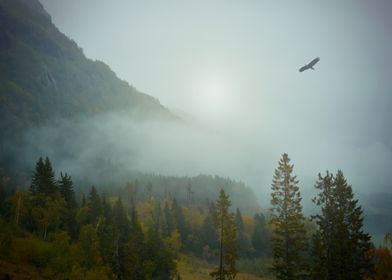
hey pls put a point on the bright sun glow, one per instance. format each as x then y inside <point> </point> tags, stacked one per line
<point>213,98</point>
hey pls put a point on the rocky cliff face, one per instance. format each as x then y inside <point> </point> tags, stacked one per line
<point>44,74</point>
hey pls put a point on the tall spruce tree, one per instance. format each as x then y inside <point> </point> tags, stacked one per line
<point>68,217</point>
<point>107,236</point>
<point>135,249</point>
<point>66,189</point>
<point>123,233</point>
<point>94,205</point>
<point>340,244</point>
<point>323,262</point>
<point>287,220</point>
<point>43,181</point>
<point>227,231</point>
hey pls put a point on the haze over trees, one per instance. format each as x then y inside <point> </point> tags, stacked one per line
<point>50,233</point>
<point>105,219</point>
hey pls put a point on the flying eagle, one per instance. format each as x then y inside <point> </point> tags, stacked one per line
<point>309,65</point>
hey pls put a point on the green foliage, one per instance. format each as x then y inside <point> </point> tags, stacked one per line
<point>208,234</point>
<point>34,251</point>
<point>160,264</point>
<point>121,221</point>
<point>227,231</point>
<point>382,258</point>
<point>179,221</point>
<point>66,189</point>
<point>137,238</point>
<point>261,267</point>
<point>287,221</point>
<point>43,181</point>
<point>46,212</point>
<point>260,236</point>
<point>94,206</point>
<point>244,246</point>
<point>340,244</point>
<point>20,207</point>
<point>44,74</point>
<point>204,188</point>
<point>60,260</point>
<point>170,223</point>
<point>87,250</point>
<point>68,218</point>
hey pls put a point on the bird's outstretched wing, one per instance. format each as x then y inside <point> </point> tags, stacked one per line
<point>310,65</point>
<point>303,68</point>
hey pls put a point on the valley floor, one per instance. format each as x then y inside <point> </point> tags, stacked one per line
<point>190,268</point>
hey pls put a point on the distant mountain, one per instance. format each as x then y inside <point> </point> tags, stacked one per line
<point>56,102</point>
<point>45,75</point>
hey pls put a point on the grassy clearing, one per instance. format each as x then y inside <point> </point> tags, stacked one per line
<point>191,268</point>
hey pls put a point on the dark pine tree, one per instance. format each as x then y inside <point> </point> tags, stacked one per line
<point>66,189</point>
<point>287,220</point>
<point>94,205</point>
<point>135,249</point>
<point>43,181</point>
<point>107,234</point>
<point>69,215</point>
<point>228,247</point>
<point>123,233</point>
<point>340,244</point>
<point>323,261</point>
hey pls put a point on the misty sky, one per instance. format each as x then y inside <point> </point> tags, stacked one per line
<point>233,66</point>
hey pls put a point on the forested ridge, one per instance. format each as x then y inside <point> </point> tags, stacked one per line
<point>45,75</point>
<point>53,231</point>
<point>135,232</point>
<point>106,220</point>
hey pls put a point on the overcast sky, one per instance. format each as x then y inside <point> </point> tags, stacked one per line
<point>234,66</point>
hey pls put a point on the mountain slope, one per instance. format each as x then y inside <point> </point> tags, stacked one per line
<point>44,74</point>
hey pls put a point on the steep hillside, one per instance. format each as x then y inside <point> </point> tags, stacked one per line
<point>56,102</point>
<point>44,74</point>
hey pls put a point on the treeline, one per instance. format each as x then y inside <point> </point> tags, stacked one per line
<point>195,190</point>
<point>339,248</point>
<point>132,234</point>
<point>100,239</point>
<point>138,232</point>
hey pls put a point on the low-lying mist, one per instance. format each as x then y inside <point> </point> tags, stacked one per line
<point>82,145</point>
<point>108,148</point>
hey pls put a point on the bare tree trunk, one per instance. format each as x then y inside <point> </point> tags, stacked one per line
<point>221,254</point>
<point>98,224</point>
<point>117,256</point>
<point>45,230</point>
<point>18,209</point>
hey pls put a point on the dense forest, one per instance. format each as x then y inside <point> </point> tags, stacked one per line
<point>85,210</point>
<point>51,230</point>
